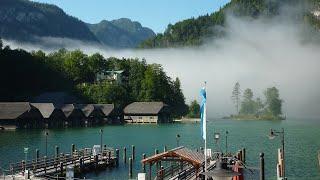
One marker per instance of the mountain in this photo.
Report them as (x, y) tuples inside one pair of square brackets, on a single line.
[(193, 31), (121, 33), (24, 20)]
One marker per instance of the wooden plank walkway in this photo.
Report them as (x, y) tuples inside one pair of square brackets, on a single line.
[(82, 160)]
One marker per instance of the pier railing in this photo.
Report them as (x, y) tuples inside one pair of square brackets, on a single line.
[(42, 166)]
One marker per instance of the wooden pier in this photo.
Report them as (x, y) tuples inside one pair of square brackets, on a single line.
[(82, 161)]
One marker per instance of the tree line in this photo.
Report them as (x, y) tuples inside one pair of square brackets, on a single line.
[(248, 107), (25, 75)]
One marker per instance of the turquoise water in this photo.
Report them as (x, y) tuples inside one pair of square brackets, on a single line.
[(302, 143)]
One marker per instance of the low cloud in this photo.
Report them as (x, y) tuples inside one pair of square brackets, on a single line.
[(257, 53)]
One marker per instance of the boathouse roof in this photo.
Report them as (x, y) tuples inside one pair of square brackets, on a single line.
[(105, 108), (12, 110), (68, 109), (145, 108), (46, 109)]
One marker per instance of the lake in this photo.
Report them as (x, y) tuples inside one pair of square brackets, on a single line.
[(302, 141)]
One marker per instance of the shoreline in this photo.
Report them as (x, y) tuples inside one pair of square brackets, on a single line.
[(187, 120)]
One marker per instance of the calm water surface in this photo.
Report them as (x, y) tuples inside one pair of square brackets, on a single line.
[(302, 143)]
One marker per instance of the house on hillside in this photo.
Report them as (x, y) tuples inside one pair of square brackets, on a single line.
[(112, 76), (74, 114), (53, 116), (19, 115), (147, 112)]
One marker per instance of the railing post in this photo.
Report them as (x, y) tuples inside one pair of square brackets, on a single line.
[(261, 166)]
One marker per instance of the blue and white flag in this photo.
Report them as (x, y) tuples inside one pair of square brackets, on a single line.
[(203, 113)]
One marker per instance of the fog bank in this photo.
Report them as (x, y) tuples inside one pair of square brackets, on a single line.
[(256, 53)]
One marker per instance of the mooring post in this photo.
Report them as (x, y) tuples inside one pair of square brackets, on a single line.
[(109, 157), (244, 155), (61, 168), (161, 172), (96, 161), (45, 164), (125, 155), (130, 167), (165, 149), (261, 166), (143, 165), (240, 154), (133, 152), (73, 148), (117, 156), (56, 151), (37, 155), (157, 163)]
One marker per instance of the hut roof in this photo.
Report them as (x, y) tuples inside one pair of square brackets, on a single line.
[(87, 109), (67, 109), (46, 109), (105, 108), (12, 110), (144, 108)]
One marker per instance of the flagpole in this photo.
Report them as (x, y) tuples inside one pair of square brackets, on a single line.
[(205, 140)]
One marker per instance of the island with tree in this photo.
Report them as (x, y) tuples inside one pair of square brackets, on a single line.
[(250, 108)]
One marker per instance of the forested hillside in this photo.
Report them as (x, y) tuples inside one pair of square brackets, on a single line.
[(121, 33), (23, 20), (194, 31), (24, 75)]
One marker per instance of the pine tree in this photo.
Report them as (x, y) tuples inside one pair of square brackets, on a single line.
[(236, 96)]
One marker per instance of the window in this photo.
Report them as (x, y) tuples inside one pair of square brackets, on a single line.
[(140, 117)]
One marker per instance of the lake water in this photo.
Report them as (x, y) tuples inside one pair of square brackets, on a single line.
[(302, 143)]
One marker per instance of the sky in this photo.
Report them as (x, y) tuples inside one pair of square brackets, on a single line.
[(155, 14)]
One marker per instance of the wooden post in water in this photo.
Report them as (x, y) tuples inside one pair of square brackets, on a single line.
[(73, 148), (117, 156), (244, 155), (261, 166), (61, 168), (125, 155), (157, 164), (130, 167), (165, 149), (133, 152), (143, 165), (56, 151), (162, 172), (37, 155)]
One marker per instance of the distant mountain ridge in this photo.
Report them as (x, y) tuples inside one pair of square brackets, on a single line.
[(23, 19), (121, 33), (27, 21)]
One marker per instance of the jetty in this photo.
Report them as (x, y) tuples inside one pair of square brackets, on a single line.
[(79, 161)]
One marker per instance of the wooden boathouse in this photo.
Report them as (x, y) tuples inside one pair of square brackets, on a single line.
[(19, 115), (53, 116), (147, 112), (74, 114)]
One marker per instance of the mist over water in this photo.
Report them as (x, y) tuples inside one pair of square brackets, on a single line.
[(257, 53)]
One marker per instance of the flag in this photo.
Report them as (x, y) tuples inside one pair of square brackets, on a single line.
[(203, 113)]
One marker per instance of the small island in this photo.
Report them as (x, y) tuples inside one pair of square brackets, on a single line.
[(248, 108)]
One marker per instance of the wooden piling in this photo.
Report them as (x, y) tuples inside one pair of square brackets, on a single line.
[(37, 155), (143, 165), (133, 151), (61, 168), (125, 155), (244, 155), (261, 166), (56, 151), (165, 149), (117, 156), (73, 148), (130, 167)]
